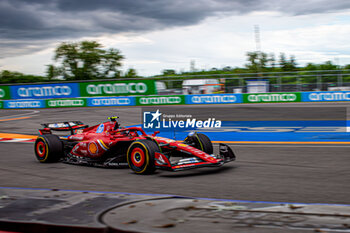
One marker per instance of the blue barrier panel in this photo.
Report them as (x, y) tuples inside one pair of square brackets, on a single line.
[(268, 131), (317, 96), (214, 99), (44, 91), (111, 101), (24, 104)]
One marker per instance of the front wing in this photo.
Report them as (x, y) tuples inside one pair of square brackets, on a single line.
[(226, 155)]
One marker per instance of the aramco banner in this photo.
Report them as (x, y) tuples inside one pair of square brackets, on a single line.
[(12, 104), (117, 88), (160, 100), (60, 103), (272, 97), (214, 99), (74, 90), (45, 91), (320, 96), (5, 92)]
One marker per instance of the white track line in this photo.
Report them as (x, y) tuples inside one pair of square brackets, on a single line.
[(25, 140), (33, 112)]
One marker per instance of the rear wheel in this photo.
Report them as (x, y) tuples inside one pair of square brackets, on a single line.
[(201, 142), (48, 148), (140, 156)]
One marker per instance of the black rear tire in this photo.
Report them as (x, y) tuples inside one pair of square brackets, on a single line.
[(201, 142), (140, 156), (48, 148)]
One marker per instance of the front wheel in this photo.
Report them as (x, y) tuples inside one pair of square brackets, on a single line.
[(48, 148), (140, 156), (201, 142)]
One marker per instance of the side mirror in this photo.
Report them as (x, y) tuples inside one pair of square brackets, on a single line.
[(155, 133)]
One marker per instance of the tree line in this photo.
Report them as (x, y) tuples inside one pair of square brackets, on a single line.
[(259, 62), (88, 60), (85, 60)]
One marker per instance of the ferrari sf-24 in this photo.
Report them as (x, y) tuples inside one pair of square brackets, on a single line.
[(109, 145)]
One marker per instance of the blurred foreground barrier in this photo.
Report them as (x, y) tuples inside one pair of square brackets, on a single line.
[(83, 211)]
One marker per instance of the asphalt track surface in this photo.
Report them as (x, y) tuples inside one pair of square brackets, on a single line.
[(275, 173)]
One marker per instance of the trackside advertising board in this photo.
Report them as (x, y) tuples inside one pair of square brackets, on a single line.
[(5, 92), (64, 103), (61, 89), (214, 99), (272, 97), (1, 104), (160, 100), (319, 96), (13, 104), (45, 91), (117, 88), (111, 101)]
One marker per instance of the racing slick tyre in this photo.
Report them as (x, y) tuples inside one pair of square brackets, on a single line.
[(201, 142), (48, 148), (140, 156)]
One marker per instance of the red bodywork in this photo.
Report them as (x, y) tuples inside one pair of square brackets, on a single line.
[(94, 142)]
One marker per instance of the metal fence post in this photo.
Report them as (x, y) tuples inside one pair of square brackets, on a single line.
[(299, 83), (319, 84), (340, 79), (241, 84), (279, 78)]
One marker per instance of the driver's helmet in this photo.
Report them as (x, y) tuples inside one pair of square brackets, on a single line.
[(114, 119)]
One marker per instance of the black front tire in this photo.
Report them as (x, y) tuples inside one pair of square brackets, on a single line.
[(48, 148), (140, 156), (201, 142)]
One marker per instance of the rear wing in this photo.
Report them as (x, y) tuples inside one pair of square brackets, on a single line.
[(62, 126)]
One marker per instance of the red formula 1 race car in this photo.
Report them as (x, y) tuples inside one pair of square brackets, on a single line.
[(109, 145)]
